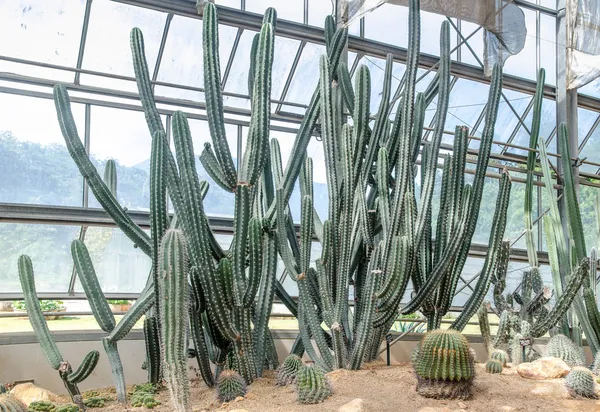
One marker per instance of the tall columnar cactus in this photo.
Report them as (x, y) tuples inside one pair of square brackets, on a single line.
[(581, 383), (152, 339), (444, 366), (51, 352), (173, 295)]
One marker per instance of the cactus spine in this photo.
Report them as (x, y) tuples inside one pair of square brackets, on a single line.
[(230, 385), (173, 308), (499, 355), (286, 373)]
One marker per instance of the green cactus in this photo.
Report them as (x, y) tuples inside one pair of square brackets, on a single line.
[(173, 297), (444, 367), (45, 406), (143, 395), (110, 176), (559, 346), (414, 354), (95, 402), (152, 339), (230, 385), (581, 383), (87, 366), (312, 385), (596, 364), (493, 366), (484, 326), (286, 373), (67, 408), (11, 404), (499, 355)]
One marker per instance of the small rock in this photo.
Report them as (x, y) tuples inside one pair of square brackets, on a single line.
[(355, 405), (238, 399), (544, 368), (462, 405), (28, 392)]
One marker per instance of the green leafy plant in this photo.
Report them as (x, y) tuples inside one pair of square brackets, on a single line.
[(45, 305)]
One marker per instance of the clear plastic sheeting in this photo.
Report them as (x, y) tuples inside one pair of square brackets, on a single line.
[(584, 38), (503, 22)]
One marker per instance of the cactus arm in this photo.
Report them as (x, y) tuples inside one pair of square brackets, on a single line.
[(86, 368), (152, 338), (137, 310), (345, 82), (252, 70), (116, 368), (284, 249), (142, 76), (497, 232), (418, 126), (255, 245), (564, 302), (254, 156), (213, 93), (286, 299), (240, 229), (34, 313), (89, 281), (383, 191), (173, 308), (77, 151), (110, 177), (202, 357), (264, 299), (531, 158), (212, 167)]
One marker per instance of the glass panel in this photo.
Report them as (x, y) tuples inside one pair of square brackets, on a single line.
[(110, 51), (547, 125), (471, 269), (515, 223), (236, 4), (379, 22), (182, 61), (238, 76), (36, 167), (523, 64), (53, 27), (589, 218), (585, 120), (507, 120), (548, 47), (48, 246), (120, 267), (129, 145), (591, 151), (286, 10), (467, 100), (475, 41), (376, 68), (431, 25), (306, 76), (318, 10), (591, 89)]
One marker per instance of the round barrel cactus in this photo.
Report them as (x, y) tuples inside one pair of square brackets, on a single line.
[(559, 346), (312, 385), (500, 355), (230, 385), (493, 366), (581, 383), (444, 367), (286, 373)]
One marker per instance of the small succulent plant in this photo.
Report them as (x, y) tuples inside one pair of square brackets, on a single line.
[(312, 385), (581, 383), (230, 385), (500, 355), (286, 373), (493, 366), (559, 346)]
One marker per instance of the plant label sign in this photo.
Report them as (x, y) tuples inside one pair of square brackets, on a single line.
[(526, 341), (389, 338)]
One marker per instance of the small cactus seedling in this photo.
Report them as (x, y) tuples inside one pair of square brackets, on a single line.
[(286, 373), (43, 406), (559, 346), (230, 385), (444, 367), (70, 407), (500, 355), (580, 382), (94, 402), (312, 385), (493, 366)]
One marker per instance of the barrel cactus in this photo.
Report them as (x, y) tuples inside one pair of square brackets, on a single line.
[(312, 385), (230, 385), (10, 403), (414, 354), (444, 366), (499, 355), (493, 366), (596, 364), (70, 407), (286, 373), (580, 382), (559, 346)]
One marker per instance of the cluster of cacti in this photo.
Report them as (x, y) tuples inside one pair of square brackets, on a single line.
[(230, 385), (444, 366), (45, 406), (67, 408), (559, 346), (493, 366), (51, 352), (581, 382), (144, 395), (94, 401), (286, 373), (312, 385), (11, 404)]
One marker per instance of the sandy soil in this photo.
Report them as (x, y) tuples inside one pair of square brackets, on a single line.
[(385, 388)]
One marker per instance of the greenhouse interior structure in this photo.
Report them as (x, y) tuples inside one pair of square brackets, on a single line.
[(333, 205)]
